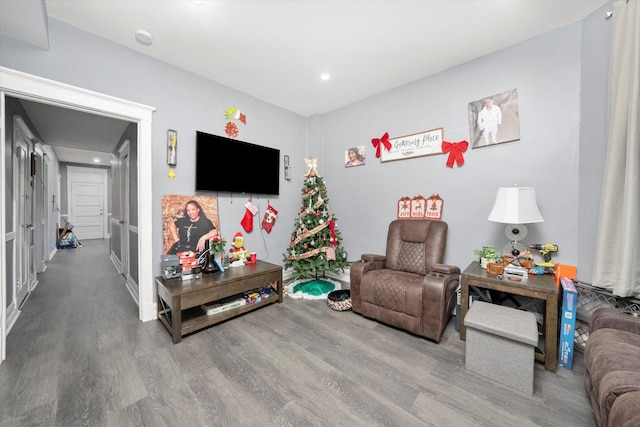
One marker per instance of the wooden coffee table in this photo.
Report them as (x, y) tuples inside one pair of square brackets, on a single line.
[(179, 301)]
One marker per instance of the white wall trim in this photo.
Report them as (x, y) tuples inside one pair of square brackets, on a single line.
[(26, 86), (12, 316), (115, 261), (3, 236), (132, 287)]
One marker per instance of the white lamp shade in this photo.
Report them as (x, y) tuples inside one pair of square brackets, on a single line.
[(515, 205)]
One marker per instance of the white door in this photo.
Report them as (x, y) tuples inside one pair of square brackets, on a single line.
[(87, 189), (25, 250)]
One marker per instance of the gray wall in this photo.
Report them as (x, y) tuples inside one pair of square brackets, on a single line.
[(561, 82), (554, 75), (593, 133), (185, 102)]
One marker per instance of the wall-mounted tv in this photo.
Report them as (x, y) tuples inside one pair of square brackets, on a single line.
[(228, 165)]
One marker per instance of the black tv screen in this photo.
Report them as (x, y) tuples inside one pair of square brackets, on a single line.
[(228, 165)]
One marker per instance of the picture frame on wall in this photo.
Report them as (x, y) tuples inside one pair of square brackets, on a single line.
[(172, 147), (419, 144), (494, 119), (354, 156), (186, 218)]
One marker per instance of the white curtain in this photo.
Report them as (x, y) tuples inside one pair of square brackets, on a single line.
[(617, 252)]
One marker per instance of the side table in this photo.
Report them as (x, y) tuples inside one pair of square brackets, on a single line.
[(542, 287)]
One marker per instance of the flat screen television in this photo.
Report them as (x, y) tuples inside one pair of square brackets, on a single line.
[(228, 165)]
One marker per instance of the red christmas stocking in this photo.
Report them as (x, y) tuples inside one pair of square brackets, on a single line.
[(269, 219), (249, 213)]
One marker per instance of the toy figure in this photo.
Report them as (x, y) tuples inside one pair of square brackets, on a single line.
[(239, 252)]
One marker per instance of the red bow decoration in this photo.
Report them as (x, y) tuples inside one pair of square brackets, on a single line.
[(455, 150), (382, 141)]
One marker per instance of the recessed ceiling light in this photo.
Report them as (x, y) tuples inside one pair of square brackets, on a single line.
[(96, 160), (144, 37), (325, 76)]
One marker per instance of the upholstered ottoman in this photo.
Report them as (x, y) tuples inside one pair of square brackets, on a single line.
[(501, 344)]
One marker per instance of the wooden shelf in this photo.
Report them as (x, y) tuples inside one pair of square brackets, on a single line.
[(195, 318)]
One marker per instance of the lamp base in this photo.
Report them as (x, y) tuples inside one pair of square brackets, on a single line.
[(516, 231)]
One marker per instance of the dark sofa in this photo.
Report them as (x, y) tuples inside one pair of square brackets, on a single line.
[(612, 367)]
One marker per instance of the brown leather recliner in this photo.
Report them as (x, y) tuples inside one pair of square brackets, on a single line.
[(409, 287)]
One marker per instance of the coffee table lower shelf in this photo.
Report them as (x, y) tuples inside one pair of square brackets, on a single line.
[(195, 319)]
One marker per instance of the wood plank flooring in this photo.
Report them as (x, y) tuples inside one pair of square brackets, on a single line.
[(78, 355)]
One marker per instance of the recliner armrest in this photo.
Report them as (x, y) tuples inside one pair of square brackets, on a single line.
[(438, 299), (372, 257), (614, 318), (368, 262), (445, 269)]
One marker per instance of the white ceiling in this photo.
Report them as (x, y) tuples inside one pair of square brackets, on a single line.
[(276, 50)]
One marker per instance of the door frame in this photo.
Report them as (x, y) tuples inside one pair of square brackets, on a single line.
[(27, 86), (123, 159)]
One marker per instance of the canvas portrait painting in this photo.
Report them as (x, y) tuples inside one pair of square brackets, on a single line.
[(494, 119), (188, 222)]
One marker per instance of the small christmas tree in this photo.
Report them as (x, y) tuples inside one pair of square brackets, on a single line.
[(315, 245)]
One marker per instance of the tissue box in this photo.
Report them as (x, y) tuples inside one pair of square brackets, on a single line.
[(567, 322)]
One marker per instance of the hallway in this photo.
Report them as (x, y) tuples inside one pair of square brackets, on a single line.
[(68, 344)]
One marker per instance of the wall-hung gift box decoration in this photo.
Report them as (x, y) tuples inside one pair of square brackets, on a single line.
[(417, 207), (433, 208), (404, 208), (420, 208), (415, 145), (172, 147)]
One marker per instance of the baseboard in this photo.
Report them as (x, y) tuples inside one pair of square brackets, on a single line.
[(343, 277), (115, 261), (12, 313), (132, 287), (149, 312)]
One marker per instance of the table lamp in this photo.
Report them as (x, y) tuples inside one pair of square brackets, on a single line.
[(515, 206)]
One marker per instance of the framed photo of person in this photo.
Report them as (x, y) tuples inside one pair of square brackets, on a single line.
[(354, 156), (494, 119), (188, 222)]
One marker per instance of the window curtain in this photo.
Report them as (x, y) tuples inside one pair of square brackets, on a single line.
[(617, 252)]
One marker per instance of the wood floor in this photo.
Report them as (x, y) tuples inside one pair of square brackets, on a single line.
[(78, 355)]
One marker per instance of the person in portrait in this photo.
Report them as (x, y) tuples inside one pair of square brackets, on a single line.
[(355, 158), (489, 118), (192, 231)]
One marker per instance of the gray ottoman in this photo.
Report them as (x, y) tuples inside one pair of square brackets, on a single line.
[(501, 344)]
